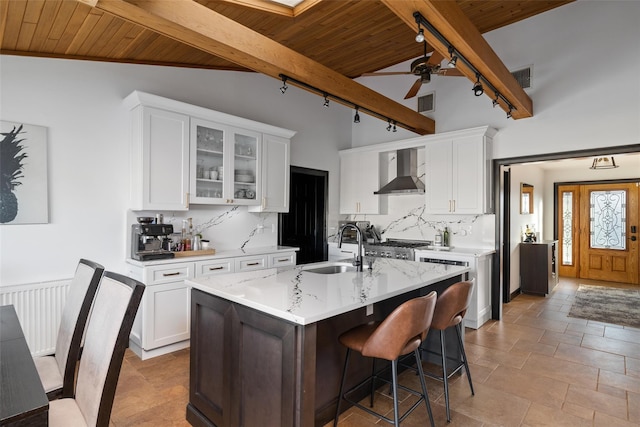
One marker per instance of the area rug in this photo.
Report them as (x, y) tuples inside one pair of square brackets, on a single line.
[(608, 305)]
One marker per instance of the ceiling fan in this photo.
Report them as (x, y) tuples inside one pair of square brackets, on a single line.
[(423, 67)]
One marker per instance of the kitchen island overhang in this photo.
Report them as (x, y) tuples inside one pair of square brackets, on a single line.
[(264, 344)]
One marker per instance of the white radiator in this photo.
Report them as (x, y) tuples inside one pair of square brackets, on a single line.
[(39, 308)]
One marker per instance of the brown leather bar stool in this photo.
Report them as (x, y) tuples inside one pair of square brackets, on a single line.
[(451, 307), (399, 334)]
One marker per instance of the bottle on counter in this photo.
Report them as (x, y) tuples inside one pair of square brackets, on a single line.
[(437, 241), (445, 237)]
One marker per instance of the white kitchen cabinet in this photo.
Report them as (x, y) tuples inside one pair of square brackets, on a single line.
[(249, 263), (162, 322), (282, 259), (224, 166), (183, 154), (159, 159), (274, 181), (215, 267), (458, 174), (359, 178)]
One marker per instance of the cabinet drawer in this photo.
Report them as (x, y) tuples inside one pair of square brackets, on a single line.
[(283, 259), (251, 263), (169, 273), (212, 268)]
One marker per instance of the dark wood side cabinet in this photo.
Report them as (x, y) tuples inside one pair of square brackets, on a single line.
[(538, 268)]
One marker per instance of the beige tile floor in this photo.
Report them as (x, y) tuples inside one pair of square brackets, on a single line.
[(536, 367)]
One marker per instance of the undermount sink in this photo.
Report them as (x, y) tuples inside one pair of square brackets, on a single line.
[(331, 269)]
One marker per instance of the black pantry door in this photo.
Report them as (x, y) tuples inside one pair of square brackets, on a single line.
[(305, 224)]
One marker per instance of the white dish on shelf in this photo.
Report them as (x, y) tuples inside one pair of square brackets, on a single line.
[(245, 178)]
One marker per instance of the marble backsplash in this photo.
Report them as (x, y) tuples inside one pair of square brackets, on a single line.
[(226, 227), (406, 219)]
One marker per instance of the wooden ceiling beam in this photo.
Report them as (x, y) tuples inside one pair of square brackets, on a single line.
[(193, 24), (457, 29)]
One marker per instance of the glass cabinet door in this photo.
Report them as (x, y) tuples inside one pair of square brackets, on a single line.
[(207, 162), (246, 146), (224, 164)]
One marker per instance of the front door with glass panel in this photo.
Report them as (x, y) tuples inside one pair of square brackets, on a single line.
[(598, 231)]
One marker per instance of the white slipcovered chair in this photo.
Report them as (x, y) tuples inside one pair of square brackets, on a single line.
[(106, 339), (57, 371)]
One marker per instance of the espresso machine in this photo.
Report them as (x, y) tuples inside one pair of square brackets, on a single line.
[(150, 241)]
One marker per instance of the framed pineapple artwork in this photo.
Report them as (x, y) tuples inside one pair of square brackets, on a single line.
[(23, 174)]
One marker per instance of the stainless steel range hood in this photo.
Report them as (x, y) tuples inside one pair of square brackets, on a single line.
[(407, 181)]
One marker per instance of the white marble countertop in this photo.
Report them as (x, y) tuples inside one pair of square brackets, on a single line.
[(234, 253), (303, 297)]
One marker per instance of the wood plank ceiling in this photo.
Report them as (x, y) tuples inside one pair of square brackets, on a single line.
[(346, 38)]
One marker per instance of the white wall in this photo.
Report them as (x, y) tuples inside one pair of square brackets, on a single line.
[(585, 86), (80, 102)]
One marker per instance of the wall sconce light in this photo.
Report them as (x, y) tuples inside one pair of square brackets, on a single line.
[(356, 118), (604, 163)]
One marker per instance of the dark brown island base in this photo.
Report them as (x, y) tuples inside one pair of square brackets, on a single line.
[(264, 344)]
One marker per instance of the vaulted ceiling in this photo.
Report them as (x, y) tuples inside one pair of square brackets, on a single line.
[(322, 43)]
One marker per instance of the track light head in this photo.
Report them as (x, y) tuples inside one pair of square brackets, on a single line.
[(326, 101), (389, 126), (356, 118), (509, 112), (495, 101), (454, 58), (284, 87), (420, 35), (394, 126), (478, 90)]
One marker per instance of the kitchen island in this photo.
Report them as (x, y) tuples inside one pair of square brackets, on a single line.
[(264, 344)]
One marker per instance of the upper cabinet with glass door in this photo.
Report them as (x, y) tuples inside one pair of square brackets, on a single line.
[(224, 166)]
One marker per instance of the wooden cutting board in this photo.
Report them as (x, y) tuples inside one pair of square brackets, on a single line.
[(195, 253)]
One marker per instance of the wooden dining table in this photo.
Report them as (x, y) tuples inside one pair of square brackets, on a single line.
[(23, 401)]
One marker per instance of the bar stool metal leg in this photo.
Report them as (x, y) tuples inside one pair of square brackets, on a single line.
[(445, 377), (394, 381), (344, 376), (424, 385), (464, 357)]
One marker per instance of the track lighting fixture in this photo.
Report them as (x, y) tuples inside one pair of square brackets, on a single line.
[(509, 112), (478, 90), (454, 58), (327, 95)]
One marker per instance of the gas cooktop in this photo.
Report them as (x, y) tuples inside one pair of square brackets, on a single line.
[(395, 248)]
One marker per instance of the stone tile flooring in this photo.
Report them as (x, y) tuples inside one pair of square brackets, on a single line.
[(536, 367)]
